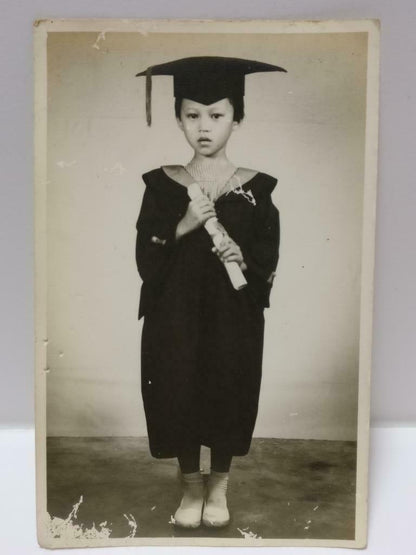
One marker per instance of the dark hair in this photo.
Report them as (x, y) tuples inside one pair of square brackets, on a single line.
[(237, 102)]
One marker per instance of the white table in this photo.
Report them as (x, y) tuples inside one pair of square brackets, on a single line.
[(392, 516)]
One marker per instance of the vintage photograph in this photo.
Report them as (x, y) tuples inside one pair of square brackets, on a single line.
[(204, 250)]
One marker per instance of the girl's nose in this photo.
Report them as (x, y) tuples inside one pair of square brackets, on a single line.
[(204, 124)]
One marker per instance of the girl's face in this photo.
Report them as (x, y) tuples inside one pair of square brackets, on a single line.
[(207, 128)]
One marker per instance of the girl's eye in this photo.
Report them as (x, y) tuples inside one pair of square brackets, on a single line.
[(216, 116), (192, 116)]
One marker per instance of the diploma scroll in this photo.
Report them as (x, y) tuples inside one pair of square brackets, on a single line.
[(217, 234)]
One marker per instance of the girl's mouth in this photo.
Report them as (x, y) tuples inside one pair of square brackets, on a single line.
[(204, 140)]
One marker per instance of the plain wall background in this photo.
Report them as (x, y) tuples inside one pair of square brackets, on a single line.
[(393, 376), (306, 127)]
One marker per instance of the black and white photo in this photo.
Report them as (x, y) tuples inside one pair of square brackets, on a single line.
[(205, 219)]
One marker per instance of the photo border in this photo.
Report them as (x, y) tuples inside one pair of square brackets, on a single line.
[(41, 30)]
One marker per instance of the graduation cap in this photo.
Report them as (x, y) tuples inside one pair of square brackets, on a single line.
[(204, 79)]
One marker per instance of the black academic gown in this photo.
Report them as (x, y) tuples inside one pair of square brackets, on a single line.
[(202, 341)]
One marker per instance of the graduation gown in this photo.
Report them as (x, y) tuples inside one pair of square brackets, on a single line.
[(202, 341)]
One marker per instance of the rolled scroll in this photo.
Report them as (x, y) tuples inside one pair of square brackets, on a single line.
[(217, 234)]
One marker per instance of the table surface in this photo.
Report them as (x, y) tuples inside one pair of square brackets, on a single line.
[(391, 514)]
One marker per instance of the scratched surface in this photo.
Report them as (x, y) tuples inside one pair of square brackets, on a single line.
[(282, 489)]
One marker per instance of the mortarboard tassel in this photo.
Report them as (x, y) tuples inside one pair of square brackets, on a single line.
[(149, 96)]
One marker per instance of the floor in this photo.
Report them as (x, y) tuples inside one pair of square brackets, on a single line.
[(282, 489)]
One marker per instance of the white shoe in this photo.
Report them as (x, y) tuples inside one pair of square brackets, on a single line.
[(188, 514), (216, 512)]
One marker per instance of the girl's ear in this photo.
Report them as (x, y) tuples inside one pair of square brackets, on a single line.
[(236, 125), (179, 122)]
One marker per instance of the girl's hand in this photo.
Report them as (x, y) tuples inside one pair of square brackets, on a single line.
[(199, 211), (229, 251)]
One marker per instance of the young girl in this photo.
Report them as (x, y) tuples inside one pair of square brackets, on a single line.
[(202, 339)]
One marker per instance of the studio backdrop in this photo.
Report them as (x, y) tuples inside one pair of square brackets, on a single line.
[(306, 127)]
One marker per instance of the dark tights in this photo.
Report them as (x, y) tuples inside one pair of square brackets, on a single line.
[(189, 460)]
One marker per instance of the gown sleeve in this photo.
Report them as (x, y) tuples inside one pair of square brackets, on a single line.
[(261, 254), (155, 238), (155, 241)]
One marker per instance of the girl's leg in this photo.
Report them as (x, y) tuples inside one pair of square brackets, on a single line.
[(216, 512), (188, 459), (188, 514), (220, 460)]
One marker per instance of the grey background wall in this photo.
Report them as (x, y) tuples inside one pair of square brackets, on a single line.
[(394, 353), (306, 127)]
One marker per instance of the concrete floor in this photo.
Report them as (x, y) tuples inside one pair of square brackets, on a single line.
[(281, 489)]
